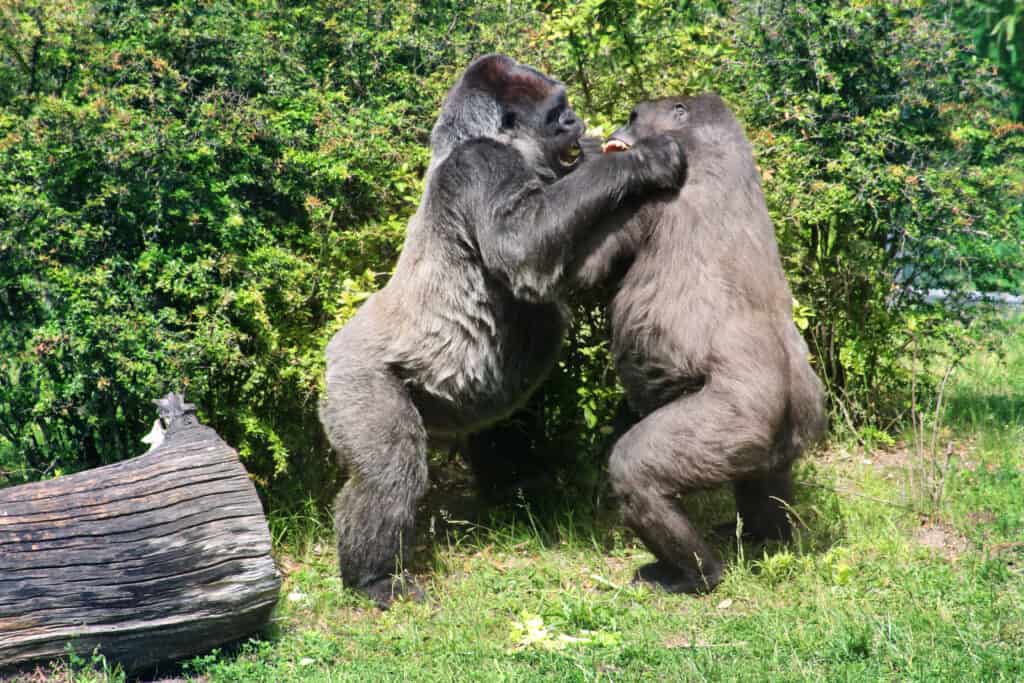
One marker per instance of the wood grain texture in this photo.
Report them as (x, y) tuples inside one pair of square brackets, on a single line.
[(156, 558)]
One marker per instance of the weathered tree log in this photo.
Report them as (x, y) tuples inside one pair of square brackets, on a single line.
[(156, 558)]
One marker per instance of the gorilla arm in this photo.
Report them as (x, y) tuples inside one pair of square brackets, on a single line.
[(609, 248), (528, 232)]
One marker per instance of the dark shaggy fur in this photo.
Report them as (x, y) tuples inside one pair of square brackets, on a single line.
[(473, 317), (705, 344)]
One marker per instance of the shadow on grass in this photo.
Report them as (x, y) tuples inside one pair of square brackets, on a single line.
[(989, 388), (972, 408), (455, 514)]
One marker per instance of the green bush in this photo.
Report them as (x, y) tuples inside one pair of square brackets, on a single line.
[(196, 194)]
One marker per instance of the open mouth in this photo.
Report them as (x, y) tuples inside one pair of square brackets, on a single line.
[(614, 145), (570, 156)]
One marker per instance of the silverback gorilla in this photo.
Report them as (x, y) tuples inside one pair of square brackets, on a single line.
[(473, 316), (705, 345)]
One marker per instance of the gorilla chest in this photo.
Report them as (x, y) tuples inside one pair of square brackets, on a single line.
[(662, 319), (479, 364)]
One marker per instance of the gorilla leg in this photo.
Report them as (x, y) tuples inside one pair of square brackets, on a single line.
[(380, 440), (761, 503), (722, 433), (648, 469)]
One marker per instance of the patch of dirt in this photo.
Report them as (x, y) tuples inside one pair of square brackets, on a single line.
[(685, 642), (679, 640), (1012, 553), (620, 566), (288, 565), (942, 539), (902, 456), (898, 457), (982, 516)]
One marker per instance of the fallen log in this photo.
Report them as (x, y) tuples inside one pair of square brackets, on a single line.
[(157, 558)]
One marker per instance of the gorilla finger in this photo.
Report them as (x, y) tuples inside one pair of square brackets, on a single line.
[(666, 158)]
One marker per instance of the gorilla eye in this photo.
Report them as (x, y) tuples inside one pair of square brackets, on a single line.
[(554, 114), (681, 110), (508, 120)]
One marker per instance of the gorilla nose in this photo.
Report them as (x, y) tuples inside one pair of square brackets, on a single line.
[(567, 119)]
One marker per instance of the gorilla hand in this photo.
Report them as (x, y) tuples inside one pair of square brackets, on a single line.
[(662, 158)]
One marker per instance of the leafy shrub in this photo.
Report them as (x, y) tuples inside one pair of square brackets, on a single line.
[(198, 194)]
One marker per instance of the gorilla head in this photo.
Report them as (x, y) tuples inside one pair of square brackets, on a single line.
[(501, 99), (711, 134)]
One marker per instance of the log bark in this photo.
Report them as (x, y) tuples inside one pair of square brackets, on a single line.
[(156, 558)]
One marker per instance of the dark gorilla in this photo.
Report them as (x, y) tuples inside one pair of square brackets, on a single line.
[(473, 317), (705, 345)]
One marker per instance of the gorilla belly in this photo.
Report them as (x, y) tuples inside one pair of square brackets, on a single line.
[(480, 368), (660, 355)]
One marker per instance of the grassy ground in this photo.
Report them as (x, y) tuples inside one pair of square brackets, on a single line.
[(873, 589)]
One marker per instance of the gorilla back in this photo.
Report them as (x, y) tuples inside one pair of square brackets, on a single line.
[(705, 345), (472, 318)]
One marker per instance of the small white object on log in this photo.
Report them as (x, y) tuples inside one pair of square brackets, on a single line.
[(155, 436)]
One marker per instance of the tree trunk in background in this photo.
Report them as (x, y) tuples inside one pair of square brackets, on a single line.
[(156, 558)]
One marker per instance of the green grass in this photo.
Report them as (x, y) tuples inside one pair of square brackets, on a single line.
[(872, 589)]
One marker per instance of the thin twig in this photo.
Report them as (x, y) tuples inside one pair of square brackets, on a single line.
[(858, 494)]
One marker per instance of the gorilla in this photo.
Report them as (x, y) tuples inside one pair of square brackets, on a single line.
[(704, 342), (473, 317)]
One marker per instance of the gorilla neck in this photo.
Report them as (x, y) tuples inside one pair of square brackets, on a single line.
[(535, 158), (715, 154)]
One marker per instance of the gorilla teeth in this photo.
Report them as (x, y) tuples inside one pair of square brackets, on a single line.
[(614, 145), (570, 156)]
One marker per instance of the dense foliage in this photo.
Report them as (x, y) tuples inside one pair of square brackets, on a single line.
[(195, 194)]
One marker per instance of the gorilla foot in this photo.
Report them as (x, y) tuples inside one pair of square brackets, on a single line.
[(386, 589), (672, 579), (782, 532)]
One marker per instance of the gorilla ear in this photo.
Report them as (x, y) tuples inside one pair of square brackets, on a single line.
[(681, 111)]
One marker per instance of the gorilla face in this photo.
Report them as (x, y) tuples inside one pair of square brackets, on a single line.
[(551, 125), (667, 115), (502, 99)]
